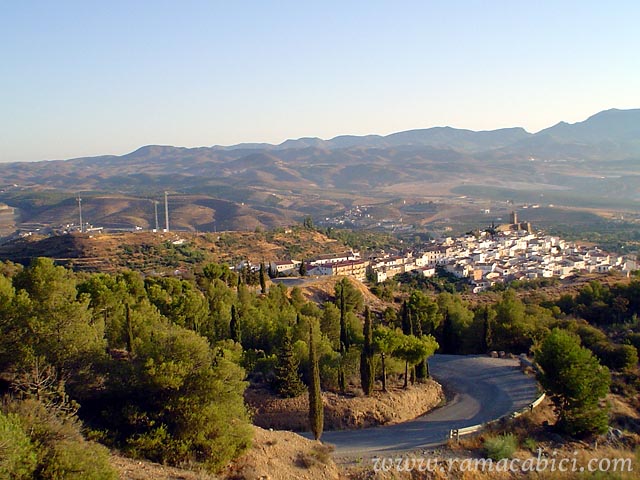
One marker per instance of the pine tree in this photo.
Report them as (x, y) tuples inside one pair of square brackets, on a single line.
[(263, 280), (308, 223), (366, 356), (385, 342), (412, 350), (234, 326), (316, 408), (575, 382), (287, 381)]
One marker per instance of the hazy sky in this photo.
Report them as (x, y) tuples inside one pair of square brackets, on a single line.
[(87, 77)]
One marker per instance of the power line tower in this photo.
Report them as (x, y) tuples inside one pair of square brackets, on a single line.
[(166, 211), (80, 213), (155, 204)]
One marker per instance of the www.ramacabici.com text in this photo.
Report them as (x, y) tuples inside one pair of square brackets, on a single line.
[(540, 463)]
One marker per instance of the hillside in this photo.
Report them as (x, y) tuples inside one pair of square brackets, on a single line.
[(147, 251), (592, 163)]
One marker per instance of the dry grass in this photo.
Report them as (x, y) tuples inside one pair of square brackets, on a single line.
[(318, 454), (129, 469)]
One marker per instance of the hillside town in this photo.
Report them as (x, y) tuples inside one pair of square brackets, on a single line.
[(505, 253)]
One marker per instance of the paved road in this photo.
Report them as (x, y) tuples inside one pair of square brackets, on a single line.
[(484, 389)]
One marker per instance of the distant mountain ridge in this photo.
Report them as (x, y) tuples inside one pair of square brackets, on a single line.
[(267, 185), (440, 137), (613, 124)]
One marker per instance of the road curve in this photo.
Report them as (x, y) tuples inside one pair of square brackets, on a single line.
[(484, 389)]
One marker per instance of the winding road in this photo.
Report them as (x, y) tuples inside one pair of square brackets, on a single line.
[(484, 389)]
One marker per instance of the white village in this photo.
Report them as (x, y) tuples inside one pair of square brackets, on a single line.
[(509, 252)]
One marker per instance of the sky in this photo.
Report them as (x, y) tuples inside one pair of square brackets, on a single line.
[(84, 78)]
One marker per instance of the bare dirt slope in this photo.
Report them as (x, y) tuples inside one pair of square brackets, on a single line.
[(274, 455), (321, 289), (344, 412), (130, 469), (283, 456)]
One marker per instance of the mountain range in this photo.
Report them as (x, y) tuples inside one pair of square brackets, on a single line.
[(252, 185), (620, 126)]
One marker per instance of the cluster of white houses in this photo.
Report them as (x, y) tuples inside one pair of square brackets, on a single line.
[(344, 263), (484, 259), (487, 259)]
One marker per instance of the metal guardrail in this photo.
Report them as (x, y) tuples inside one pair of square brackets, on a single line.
[(459, 432)]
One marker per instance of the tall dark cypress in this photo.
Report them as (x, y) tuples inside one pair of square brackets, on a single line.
[(344, 342), (487, 339), (129, 328), (407, 323), (448, 335), (316, 408), (263, 279), (234, 326), (344, 333), (366, 356), (407, 329), (303, 268)]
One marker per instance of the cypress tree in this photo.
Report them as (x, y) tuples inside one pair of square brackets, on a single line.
[(263, 279), (344, 333), (448, 335), (487, 339), (408, 329), (344, 342), (234, 326), (316, 408), (303, 269), (366, 356), (287, 381), (129, 328), (407, 323), (420, 370)]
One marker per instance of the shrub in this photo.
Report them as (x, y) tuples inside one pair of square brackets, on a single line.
[(17, 453), (634, 339), (617, 357), (503, 446), (176, 403), (60, 451), (530, 444), (74, 460)]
